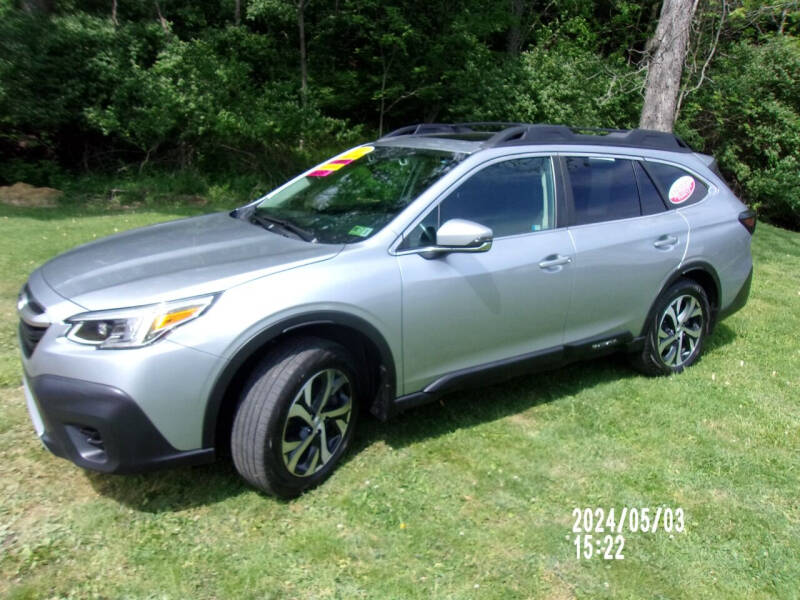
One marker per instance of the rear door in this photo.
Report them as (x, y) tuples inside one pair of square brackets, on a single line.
[(627, 243)]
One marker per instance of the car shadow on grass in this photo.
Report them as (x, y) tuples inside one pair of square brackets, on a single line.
[(468, 408), (182, 488), (722, 336), (172, 490)]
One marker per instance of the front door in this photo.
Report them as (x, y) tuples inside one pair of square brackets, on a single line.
[(462, 310)]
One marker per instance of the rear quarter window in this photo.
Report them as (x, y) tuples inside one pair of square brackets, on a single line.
[(679, 187)]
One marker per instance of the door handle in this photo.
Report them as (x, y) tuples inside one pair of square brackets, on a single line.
[(554, 260), (666, 242)]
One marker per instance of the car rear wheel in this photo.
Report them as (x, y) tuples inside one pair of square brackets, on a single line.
[(676, 331), (297, 417)]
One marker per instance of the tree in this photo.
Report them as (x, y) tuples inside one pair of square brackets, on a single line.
[(36, 6), (300, 7), (667, 52), (286, 10)]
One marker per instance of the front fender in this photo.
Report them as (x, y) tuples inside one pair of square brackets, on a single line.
[(258, 339)]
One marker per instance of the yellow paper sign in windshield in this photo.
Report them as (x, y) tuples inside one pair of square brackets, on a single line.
[(343, 159), (356, 153)]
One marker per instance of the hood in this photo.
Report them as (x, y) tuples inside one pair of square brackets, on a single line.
[(173, 260)]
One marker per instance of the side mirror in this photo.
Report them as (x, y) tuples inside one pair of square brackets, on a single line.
[(455, 235), (460, 234)]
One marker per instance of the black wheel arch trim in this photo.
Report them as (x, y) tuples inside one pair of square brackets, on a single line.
[(386, 386), (681, 272)]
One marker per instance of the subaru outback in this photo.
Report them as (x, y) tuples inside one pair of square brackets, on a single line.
[(437, 257)]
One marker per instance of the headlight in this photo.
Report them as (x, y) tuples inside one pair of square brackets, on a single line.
[(134, 327)]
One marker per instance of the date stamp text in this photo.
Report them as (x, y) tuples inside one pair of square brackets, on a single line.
[(600, 532)]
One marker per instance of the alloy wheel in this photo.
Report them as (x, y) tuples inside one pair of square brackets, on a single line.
[(679, 330), (317, 422)]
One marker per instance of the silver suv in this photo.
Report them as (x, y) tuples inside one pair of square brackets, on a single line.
[(437, 257)]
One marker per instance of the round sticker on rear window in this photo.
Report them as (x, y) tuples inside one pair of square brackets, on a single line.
[(681, 189)]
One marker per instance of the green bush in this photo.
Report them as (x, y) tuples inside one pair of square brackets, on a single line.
[(202, 98), (46, 76), (563, 82), (196, 92), (749, 117)]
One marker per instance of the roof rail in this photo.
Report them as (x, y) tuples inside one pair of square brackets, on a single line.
[(450, 128), (427, 129), (488, 125), (506, 135), (561, 134), (513, 134)]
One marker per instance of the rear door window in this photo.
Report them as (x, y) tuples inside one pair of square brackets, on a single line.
[(603, 189), (649, 196)]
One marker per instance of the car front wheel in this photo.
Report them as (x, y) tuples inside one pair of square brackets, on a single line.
[(296, 418)]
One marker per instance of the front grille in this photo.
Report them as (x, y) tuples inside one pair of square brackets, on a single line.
[(29, 337), (33, 305), (32, 323)]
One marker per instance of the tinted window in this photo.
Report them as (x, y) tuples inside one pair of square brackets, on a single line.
[(678, 186), (649, 196), (603, 189), (511, 197)]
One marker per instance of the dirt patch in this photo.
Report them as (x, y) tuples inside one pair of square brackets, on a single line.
[(23, 194)]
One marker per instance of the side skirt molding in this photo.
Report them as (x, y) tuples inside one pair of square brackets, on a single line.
[(502, 370)]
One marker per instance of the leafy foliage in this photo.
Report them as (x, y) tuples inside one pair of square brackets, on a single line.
[(750, 117), (567, 83), (184, 84)]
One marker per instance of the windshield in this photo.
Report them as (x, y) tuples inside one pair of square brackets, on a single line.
[(355, 194)]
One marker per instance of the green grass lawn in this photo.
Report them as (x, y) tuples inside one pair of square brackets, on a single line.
[(471, 497)]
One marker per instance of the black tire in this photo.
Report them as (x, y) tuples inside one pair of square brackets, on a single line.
[(675, 321), (273, 450)]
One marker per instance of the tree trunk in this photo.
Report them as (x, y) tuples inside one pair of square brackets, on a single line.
[(36, 6), (383, 94), (161, 19), (667, 52), (237, 13), (301, 28), (114, 13), (514, 39)]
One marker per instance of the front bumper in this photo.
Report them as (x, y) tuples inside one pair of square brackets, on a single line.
[(99, 427), (111, 410)]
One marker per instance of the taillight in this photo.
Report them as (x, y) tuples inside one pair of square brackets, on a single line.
[(748, 219)]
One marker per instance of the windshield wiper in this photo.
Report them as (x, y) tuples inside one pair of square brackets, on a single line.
[(270, 222)]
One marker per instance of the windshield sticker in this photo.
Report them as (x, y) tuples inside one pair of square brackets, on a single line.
[(343, 159), (681, 189), (360, 231)]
